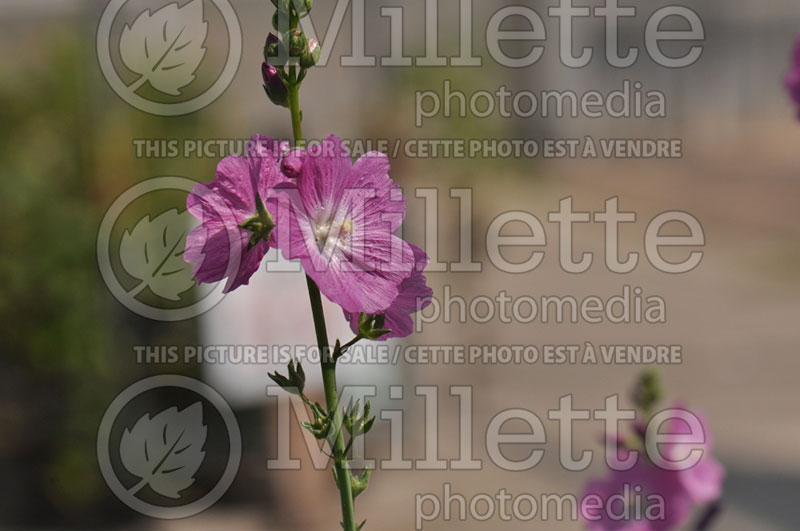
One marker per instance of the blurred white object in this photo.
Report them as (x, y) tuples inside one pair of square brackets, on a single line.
[(273, 310)]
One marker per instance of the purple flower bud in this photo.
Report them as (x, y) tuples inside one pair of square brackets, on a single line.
[(793, 79), (272, 48), (268, 72), (274, 86), (292, 163)]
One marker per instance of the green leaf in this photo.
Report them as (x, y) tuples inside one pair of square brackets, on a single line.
[(360, 484)]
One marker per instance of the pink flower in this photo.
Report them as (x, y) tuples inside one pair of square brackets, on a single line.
[(793, 78), (702, 482), (235, 227), (680, 491), (414, 296), (339, 219), (619, 491)]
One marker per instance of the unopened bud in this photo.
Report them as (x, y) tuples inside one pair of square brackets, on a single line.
[(274, 86), (303, 7), (647, 391), (282, 21), (292, 163), (298, 43), (312, 54), (272, 48), (282, 5)]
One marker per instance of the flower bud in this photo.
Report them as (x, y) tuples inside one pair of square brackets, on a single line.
[(647, 391), (274, 86), (311, 55), (272, 48), (793, 78), (282, 5), (298, 43), (292, 163), (303, 7), (281, 21)]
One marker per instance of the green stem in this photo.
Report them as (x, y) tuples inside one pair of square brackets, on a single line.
[(294, 108), (328, 363), (352, 342)]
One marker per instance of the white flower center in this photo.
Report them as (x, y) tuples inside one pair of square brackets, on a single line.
[(341, 231)]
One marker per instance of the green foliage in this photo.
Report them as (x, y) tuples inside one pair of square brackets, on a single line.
[(66, 154)]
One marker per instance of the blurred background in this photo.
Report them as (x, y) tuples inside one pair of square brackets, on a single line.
[(67, 347)]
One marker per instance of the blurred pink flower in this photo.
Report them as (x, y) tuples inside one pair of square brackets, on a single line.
[(679, 491), (793, 78), (702, 482), (618, 492)]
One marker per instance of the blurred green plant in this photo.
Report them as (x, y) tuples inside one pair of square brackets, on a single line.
[(66, 345)]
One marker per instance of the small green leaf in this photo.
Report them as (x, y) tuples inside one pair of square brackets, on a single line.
[(360, 484)]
